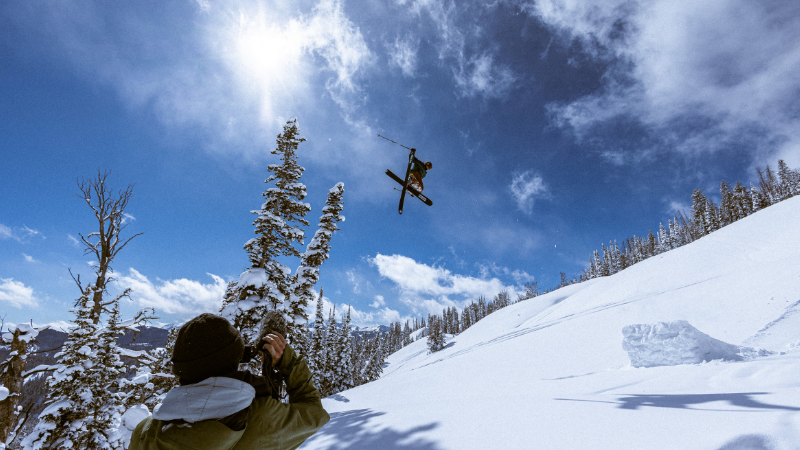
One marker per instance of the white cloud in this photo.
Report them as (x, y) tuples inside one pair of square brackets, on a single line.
[(482, 76), (16, 293), (29, 258), (718, 71), (74, 240), (181, 296), (357, 318), (526, 188), (426, 289), (379, 301)]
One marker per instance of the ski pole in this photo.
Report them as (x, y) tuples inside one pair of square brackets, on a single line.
[(401, 145)]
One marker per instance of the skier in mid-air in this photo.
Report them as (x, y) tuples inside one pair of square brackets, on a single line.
[(415, 172), (419, 171)]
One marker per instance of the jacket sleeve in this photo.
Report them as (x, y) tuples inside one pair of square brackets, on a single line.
[(272, 424)]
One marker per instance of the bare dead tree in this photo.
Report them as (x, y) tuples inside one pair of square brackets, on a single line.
[(106, 243)]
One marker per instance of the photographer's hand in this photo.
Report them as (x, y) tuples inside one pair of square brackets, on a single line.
[(275, 345)]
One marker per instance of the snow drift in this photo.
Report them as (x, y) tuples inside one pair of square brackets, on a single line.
[(674, 343)]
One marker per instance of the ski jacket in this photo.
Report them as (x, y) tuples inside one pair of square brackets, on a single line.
[(190, 416), (419, 166)]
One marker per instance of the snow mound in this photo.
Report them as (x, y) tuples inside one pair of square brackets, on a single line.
[(134, 415), (678, 342), (3, 393), (130, 419)]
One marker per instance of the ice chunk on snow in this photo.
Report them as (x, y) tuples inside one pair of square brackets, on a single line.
[(678, 342)]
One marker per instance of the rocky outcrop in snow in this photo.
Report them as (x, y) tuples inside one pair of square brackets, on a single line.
[(678, 342)]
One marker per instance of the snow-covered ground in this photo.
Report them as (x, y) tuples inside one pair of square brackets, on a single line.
[(551, 372)]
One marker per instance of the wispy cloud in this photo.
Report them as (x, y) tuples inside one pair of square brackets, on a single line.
[(16, 294), (460, 44), (526, 188), (354, 281), (231, 68), (19, 234), (482, 76), (29, 258), (520, 276), (403, 54), (180, 296), (74, 240), (700, 76)]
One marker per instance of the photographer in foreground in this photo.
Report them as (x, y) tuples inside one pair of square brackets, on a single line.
[(218, 407)]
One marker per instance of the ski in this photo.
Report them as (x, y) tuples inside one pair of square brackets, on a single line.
[(408, 172), (416, 193)]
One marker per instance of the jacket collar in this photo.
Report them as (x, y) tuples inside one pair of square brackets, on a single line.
[(212, 398)]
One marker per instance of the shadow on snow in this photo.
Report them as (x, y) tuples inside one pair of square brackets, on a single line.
[(685, 401), (352, 430)]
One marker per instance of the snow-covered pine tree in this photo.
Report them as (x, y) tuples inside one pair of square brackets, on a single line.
[(374, 366), (711, 217), (316, 253), (326, 368), (789, 182), (699, 202), (651, 244), (154, 378), (341, 370), (12, 379), (435, 334), (743, 206), (268, 284), (726, 208), (317, 354), (357, 360), (86, 391)]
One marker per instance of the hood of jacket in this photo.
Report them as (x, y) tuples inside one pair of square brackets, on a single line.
[(212, 398)]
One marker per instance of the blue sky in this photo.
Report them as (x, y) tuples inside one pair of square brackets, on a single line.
[(553, 126)]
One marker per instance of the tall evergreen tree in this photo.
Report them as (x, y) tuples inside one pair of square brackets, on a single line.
[(727, 212), (268, 284), (374, 366), (699, 203), (341, 370), (789, 181), (435, 335), (318, 351), (711, 217)]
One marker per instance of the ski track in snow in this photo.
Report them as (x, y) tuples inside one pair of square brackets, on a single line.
[(560, 320)]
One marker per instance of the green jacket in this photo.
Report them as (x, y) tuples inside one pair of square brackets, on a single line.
[(270, 424), (419, 166)]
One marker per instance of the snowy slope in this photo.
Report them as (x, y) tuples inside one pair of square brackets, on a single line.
[(551, 372)]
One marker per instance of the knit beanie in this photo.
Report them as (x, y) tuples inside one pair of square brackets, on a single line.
[(206, 346)]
